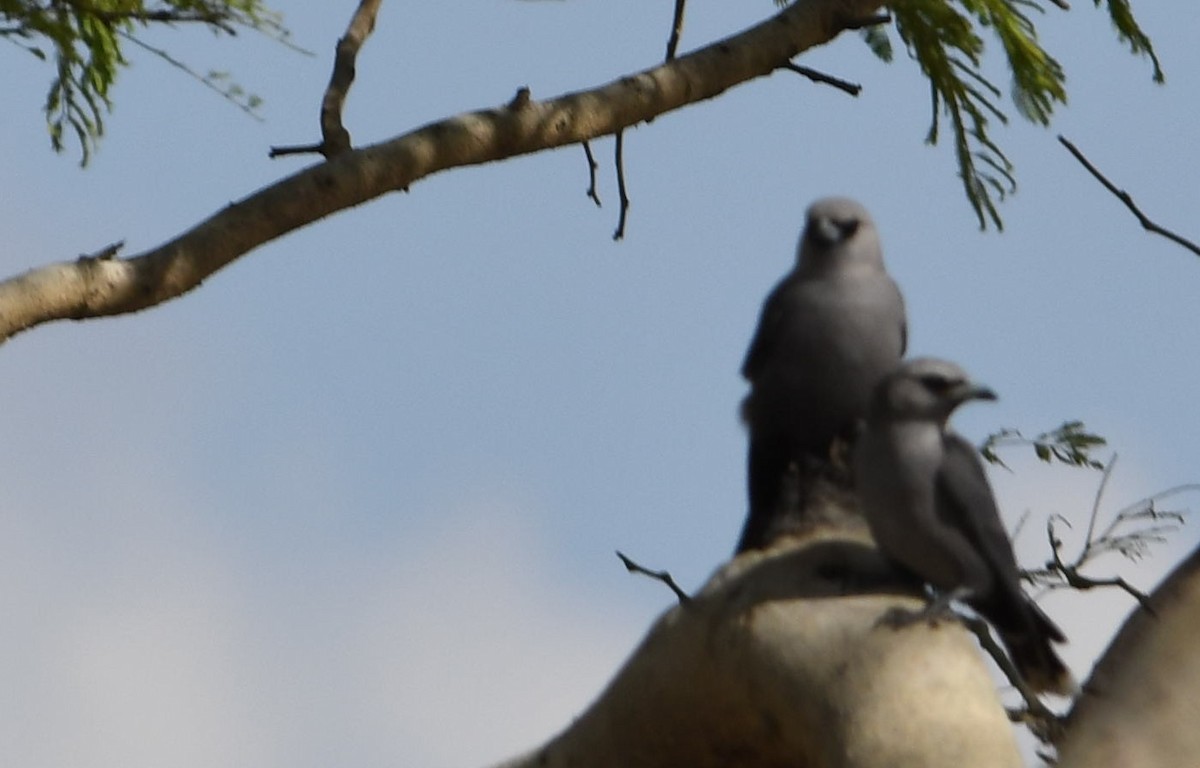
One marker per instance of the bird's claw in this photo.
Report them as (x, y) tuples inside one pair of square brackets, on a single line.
[(899, 618)]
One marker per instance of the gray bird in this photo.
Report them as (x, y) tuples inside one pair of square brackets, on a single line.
[(931, 510), (827, 333)]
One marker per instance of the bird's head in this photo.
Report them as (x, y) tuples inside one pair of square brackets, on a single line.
[(925, 388), (838, 234)]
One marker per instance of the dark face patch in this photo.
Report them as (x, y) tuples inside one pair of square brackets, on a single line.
[(829, 231)]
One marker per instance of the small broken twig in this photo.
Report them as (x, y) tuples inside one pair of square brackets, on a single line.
[(820, 77), (593, 166), (104, 254), (663, 576), (676, 29), (619, 160), (1127, 199), (335, 139)]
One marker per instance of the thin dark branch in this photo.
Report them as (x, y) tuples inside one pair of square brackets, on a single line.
[(593, 166), (820, 77), (1125, 198), (1044, 723), (1104, 478), (105, 253), (876, 20), (298, 149), (335, 139), (1122, 535), (676, 29), (619, 159), (206, 82), (1072, 578), (663, 576)]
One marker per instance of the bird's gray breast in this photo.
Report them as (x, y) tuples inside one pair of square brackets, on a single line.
[(836, 340)]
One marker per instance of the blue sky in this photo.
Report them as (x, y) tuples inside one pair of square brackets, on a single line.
[(356, 499)]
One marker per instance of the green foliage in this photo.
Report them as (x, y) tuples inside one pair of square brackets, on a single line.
[(945, 37), (84, 39), (1070, 443), (878, 41), (946, 43), (1129, 31)]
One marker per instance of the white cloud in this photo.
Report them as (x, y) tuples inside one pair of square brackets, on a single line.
[(148, 640)]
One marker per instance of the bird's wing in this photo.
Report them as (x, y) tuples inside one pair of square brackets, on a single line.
[(965, 501), (767, 334)]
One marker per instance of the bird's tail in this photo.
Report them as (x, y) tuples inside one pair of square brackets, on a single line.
[(1032, 651)]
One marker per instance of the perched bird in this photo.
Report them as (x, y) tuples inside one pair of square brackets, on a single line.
[(931, 510), (827, 333)]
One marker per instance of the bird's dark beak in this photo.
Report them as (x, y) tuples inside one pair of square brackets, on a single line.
[(971, 391), (827, 230)]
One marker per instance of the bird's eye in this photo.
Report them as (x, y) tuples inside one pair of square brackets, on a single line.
[(847, 227), (936, 383)]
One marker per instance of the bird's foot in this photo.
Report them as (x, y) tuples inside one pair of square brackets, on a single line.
[(931, 614)]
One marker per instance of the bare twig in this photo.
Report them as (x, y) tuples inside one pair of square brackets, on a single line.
[(676, 29), (820, 77), (1125, 198), (874, 20), (105, 253), (335, 139), (619, 160), (663, 576), (1037, 716), (1058, 573), (593, 166)]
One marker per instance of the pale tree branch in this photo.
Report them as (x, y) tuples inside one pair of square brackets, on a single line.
[(335, 139), (1127, 199), (69, 290), (1139, 706), (779, 660)]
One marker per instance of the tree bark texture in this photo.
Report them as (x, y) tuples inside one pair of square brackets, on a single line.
[(89, 288), (1141, 706), (780, 661)]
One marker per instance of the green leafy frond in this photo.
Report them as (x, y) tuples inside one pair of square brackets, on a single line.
[(84, 41), (878, 41), (945, 39), (1070, 443), (1129, 32)]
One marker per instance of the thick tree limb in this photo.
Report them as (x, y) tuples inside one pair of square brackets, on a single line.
[(79, 290), (335, 139), (1140, 707), (780, 661)]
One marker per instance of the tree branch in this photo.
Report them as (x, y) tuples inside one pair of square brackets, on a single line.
[(663, 576), (335, 139), (592, 168), (779, 661), (820, 77), (1125, 198), (676, 29), (1138, 707), (622, 192), (71, 291)]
